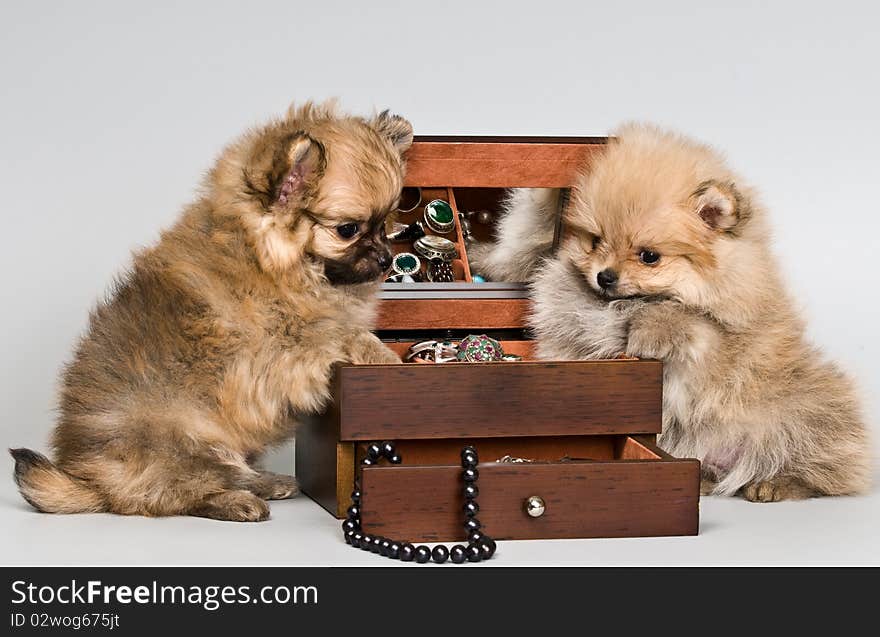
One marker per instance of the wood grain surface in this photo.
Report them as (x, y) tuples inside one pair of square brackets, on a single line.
[(452, 314), (622, 498), (475, 163), (324, 465), (499, 399)]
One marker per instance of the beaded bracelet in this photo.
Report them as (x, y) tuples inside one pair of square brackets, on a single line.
[(480, 546)]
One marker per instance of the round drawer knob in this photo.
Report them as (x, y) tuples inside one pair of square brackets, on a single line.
[(535, 506)]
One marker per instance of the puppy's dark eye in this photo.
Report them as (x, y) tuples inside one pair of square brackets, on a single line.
[(649, 257), (347, 230), (596, 241)]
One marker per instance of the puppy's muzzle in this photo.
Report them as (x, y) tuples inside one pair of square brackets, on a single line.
[(607, 279)]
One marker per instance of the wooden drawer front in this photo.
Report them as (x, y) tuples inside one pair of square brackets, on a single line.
[(623, 498), (458, 400), (452, 314)]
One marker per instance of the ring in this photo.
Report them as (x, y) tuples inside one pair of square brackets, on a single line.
[(403, 278), (479, 348), (465, 226), (432, 247), (405, 233), (480, 216), (433, 351), (406, 263), (439, 216), (418, 348), (440, 271), (416, 204)]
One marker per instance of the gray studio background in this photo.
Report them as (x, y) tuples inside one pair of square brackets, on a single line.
[(111, 112)]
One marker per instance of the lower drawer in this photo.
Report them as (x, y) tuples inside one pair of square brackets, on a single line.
[(641, 491)]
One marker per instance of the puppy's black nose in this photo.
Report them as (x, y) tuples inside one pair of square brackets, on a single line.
[(384, 260), (606, 278)]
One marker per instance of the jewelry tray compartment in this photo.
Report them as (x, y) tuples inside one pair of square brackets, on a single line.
[(475, 216), (584, 487), (461, 303), (460, 266), (471, 174)]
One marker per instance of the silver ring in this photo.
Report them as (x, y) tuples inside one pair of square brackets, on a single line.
[(480, 216), (433, 247), (465, 226), (403, 233), (418, 348), (418, 201), (400, 278), (433, 351)]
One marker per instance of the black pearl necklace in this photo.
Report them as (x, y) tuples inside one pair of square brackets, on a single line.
[(479, 547)]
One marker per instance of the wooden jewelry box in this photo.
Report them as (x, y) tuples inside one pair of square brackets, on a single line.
[(574, 439)]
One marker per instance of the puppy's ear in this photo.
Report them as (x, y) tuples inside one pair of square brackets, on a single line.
[(396, 128), (719, 205), (304, 162)]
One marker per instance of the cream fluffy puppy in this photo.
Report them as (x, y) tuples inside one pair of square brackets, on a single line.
[(667, 255)]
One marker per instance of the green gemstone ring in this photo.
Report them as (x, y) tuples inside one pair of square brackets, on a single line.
[(406, 263), (439, 216)]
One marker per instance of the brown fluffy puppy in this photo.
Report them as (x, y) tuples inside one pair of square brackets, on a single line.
[(668, 257), (214, 341)]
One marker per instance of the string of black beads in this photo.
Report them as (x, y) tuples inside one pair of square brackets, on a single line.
[(479, 547)]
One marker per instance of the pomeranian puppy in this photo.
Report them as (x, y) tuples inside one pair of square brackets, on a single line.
[(217, 338), (666, 255)]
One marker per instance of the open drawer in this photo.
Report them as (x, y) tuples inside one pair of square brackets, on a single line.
[(535, 402), (617, 486)]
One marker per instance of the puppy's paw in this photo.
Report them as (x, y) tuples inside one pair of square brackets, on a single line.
[(665, 330), (367, 349), (233, 506), (651, 335), (385, 356), (777, 489), (625, 307), (275, 486)]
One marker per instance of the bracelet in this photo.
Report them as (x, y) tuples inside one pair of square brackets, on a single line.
[(480, 546)]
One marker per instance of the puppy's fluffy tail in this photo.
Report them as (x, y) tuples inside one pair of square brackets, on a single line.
[(50, 489)]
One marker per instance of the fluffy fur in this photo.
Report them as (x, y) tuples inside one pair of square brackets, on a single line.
[(214, 342), (744, 392), (525, 234)]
